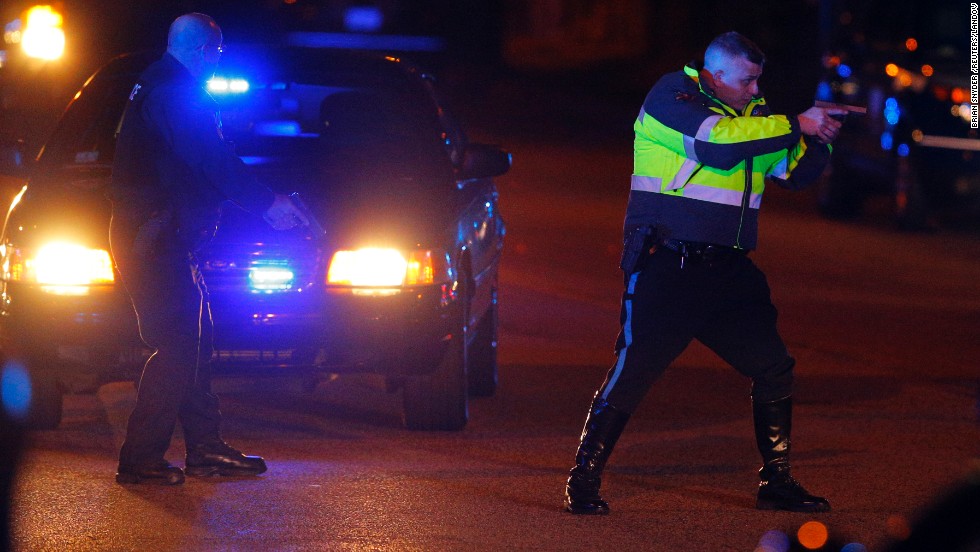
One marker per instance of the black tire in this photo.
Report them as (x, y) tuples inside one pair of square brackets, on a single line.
[(439, 401), (482, 354), (45, 410)]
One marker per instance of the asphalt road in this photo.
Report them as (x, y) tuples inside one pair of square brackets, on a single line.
[(883, 325)]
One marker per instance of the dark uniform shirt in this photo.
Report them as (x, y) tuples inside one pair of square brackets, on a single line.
[(171, 156)]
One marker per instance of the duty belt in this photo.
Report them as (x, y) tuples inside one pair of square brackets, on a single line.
[(704, 253)]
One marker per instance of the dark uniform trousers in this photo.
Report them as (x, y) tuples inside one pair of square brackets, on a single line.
[(171, 302), (725, 304)]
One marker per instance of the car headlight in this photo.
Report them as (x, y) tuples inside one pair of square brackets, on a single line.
[(381, 270), (43, 36), (60, 267)]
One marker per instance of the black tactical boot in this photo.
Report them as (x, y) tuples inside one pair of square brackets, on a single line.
[(154, 473), (603, 426), (218, 458), (778, 490)]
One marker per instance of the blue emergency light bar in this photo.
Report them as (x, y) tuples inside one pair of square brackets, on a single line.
[(271, 277), (223, 85)]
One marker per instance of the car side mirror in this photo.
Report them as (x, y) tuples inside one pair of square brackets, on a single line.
[(483, 161)]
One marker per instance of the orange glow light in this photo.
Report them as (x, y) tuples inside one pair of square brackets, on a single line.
[(927, 70), (897, 527), (812, 535), (911, 44), (958, 95), (891, 69), (941, 93)]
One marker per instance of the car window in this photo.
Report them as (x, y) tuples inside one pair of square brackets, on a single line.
[(297, 122), (295, 118), (85, 135)]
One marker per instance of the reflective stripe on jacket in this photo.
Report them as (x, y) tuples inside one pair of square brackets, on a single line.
[(700, 167)]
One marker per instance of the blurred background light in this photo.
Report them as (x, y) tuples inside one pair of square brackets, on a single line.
[(898, 527), (15, 390), (812, 535), (825, 92), (887, 141), (773, 541), (43, 37), (892, 111), (363, 19)]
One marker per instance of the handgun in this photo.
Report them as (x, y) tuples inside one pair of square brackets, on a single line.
[(851, 109), (634, 247), (313, 224)]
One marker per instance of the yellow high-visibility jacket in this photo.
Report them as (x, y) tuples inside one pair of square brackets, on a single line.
[(700, 167)]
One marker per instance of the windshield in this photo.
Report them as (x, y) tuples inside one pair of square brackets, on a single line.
[(298, 117)]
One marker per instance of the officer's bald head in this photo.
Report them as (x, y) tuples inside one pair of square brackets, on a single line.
[(728, 46), (195, 40), (732, 67)]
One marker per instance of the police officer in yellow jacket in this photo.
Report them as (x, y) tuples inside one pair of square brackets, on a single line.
[(705, 145)]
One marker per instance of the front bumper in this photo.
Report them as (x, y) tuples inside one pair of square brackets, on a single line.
[(401, 334)]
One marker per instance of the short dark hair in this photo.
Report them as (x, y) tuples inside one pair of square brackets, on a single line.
[(733, 44)]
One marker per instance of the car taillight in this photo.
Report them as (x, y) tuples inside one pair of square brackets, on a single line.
[(61, 268), (383, 269)]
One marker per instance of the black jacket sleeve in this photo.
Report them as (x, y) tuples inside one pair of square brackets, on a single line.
[(187, 120), (710, 137)]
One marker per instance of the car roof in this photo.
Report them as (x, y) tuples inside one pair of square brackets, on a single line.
[(270, 61)]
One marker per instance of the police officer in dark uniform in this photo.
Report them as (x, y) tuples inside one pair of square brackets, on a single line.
[(705, 145), (172, 172)]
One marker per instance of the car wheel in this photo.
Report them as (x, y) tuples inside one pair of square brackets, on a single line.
[(439, 401), (482, 354), (46, 402)]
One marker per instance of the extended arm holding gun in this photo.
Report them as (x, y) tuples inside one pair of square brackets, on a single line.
[(851, 109)]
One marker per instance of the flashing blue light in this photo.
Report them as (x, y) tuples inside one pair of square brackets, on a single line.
[(222, 85), (825, 92), (892, 111), (774, 541), (854, 547), (15, 390), (887, 141), (256, 160), (844, 70), (903, 150), (271, 276), (363, 19), (277, 128)]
